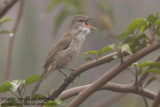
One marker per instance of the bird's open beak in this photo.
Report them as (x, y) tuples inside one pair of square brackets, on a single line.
[(89, 26)]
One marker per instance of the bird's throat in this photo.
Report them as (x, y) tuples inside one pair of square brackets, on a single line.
[(82, 30)]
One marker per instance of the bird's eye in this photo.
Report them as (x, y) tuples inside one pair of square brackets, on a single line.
[(80, 20)]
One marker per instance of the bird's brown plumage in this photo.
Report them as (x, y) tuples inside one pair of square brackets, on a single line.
[(66, 48), (66, 41)]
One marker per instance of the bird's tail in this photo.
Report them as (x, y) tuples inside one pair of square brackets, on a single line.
[(43, 76)]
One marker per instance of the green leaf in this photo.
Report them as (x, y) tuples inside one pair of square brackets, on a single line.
[(5, 86), (15, 84), (115, 56), (136, 24), (158, 31), (140, 37), (154, 70), (58, 101), (126, 48), (52, 4), (150, 81), (143, 28), (89, 52), (151, 18), (50, 104), (112, 46), (59, 19), (158, 22), (51, 91), (107, 48), (149, 64), (139, 41), (128, 40), (5, 32), (32, 79), (135, 64), (88, 58), (38, 97), (99, 53), (4, 19)]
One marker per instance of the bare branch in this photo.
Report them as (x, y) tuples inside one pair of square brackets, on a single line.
[(109, 86), (156, 101), (11, 39), (4, 8), (112, 73)]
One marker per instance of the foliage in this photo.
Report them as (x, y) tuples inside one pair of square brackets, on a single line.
[(136, 24), (135, 38), (56, 101), (18, 85), (31, 79), (99, 53), (2, 21), (5, 86), (15, 84)]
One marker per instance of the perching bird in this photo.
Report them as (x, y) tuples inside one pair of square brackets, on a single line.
[(68, 46)]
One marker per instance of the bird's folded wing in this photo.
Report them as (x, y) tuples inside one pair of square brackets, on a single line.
[(61, 45)]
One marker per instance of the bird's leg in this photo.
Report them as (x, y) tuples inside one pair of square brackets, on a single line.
[(70, 70), (66, 75)]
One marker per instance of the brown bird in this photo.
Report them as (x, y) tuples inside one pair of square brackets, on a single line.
[(66, 48)]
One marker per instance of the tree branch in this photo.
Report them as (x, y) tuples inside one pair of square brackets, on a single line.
[(79, 70), (109, 86), (4, 8), (11, 39), (112, 73), (156, 101)]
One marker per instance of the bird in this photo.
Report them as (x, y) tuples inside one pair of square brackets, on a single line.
[(66, 48)]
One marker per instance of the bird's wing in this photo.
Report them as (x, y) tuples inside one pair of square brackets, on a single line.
[(62, 44)]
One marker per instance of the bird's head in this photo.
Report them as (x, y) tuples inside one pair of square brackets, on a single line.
[(80, 23)]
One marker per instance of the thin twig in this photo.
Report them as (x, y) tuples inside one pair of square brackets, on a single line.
[(4, 8), (144, 98), (23, 90), (153, 34), (132, 72), (20, 95), (14, 94), (11, 40), (136, 75)]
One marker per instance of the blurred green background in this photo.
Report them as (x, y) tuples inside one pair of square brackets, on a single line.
[(44, 21)]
